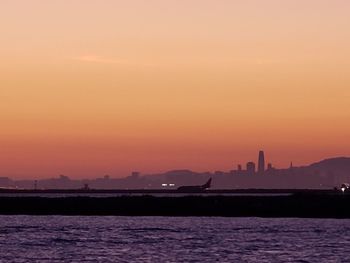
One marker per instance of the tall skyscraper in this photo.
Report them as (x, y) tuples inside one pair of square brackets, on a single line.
[(261, 162)]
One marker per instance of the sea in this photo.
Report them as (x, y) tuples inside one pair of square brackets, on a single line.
[(172, 239)]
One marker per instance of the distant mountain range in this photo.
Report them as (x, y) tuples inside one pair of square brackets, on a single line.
[(327, 173)]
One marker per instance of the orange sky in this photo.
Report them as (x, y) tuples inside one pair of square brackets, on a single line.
[(91, 87)]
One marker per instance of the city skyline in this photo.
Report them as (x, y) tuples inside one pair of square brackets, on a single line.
[(249, 167), (324, 174)]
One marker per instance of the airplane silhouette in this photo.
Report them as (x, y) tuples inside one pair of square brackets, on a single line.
[(195, 188)]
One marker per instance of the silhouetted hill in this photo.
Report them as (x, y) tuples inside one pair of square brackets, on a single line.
[(181, 172), (184, 176), (339, 164), (338, 168)]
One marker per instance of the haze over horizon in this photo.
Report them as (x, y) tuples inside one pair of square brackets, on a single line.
[(92, 87)]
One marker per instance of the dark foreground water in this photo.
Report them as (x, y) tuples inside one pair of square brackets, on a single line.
[(178, 239)]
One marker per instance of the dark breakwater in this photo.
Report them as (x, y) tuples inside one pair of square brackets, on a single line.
[(297, 205), (164, 191)]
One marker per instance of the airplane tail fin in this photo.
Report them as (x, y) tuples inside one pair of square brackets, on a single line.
[(207, 184)]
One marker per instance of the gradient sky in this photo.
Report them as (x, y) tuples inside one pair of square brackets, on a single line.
[(94, 87)]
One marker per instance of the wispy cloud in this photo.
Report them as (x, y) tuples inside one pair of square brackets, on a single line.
[(104, 60)]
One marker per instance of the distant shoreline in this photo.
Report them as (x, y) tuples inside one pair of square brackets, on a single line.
[(301, 205)]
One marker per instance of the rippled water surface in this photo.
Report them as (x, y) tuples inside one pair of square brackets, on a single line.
[(165, 239)]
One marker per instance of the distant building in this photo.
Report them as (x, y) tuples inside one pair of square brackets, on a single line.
[(250, 168), (269, 166), (261, 162), (135, 175)]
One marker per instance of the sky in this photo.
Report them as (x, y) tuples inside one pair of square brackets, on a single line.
[(95, 87)]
